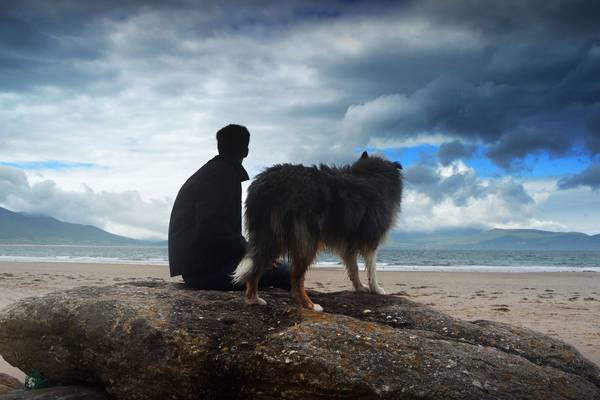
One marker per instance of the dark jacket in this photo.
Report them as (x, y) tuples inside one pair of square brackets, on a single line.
[(205, 231)]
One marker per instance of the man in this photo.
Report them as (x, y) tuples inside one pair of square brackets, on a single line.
[(205, 231)]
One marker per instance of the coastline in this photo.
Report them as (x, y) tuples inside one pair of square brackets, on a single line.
[(381, 266), (560, 304)]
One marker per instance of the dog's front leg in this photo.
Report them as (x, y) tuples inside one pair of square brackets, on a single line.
[(298, 290), (371, 262), (352, 269)]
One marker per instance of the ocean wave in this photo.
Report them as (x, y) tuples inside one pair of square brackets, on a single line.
[(84, 260), (139, 258), (467, 268)]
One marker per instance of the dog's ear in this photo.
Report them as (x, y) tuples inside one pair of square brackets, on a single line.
[(364, 155), (398, 165)]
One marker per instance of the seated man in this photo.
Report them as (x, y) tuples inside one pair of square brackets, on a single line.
[(205, 231)]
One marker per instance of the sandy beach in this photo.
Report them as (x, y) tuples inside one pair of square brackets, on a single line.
[(565, 305)]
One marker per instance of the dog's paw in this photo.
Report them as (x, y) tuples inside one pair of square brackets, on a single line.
[(362, 289), (316, 307), (256, 301), (263, 302), (377, 290)]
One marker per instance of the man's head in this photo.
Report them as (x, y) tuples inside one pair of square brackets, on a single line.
[(233, 141)]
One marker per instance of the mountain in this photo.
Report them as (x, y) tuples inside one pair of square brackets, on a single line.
[(21, 228), (497, 239)]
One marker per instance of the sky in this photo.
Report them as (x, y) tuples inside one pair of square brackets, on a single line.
[(493, 108)]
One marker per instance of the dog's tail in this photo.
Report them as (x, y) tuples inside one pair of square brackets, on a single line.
[(245, 270)]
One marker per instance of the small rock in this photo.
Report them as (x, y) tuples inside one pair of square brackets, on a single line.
[(8, 383), (5, 389), (58, 393)]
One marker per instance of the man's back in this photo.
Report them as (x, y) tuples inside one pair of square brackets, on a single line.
[(205, 226)]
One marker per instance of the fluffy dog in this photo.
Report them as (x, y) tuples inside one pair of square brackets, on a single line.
[(296, 211)]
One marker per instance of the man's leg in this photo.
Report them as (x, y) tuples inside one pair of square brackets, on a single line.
[(219, 280), (279, 277)]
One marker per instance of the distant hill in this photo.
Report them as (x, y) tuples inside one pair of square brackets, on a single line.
[(21, 228), (497, 239)]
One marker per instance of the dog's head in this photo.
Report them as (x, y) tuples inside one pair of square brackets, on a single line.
[(365, 156)]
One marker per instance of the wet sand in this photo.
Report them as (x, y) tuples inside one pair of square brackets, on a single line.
[(565, 305)]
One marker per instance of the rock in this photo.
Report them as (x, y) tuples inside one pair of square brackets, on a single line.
[(158, 340), (8, 383), (58, 393)]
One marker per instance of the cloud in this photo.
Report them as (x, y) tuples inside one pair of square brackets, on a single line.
[(48, 164), (460, 184), (447, 105), (140, 88), (394, 71), (589, 177), (453, 196), (454, 150), (126, 211), (519, 144)]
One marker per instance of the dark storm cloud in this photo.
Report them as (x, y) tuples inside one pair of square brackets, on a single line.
[(520, 63), (593, 124), (454, 150), (421, 174), (41, 45), (48, 43), (518, 144), (495, 74), (589, 177)]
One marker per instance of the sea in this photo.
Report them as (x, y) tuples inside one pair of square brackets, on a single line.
[(388, 259)]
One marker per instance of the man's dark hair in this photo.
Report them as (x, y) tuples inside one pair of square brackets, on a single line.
[(233, 140)]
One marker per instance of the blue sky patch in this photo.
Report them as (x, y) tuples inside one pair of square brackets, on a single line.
[(539, 165)]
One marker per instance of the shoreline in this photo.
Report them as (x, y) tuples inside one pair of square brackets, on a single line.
[(564, 305), (325, 265)]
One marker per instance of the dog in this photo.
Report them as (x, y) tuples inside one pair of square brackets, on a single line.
[(297, 211)]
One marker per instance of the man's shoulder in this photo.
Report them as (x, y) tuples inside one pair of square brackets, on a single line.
[(211, 166), (214, 172), (220, 168)]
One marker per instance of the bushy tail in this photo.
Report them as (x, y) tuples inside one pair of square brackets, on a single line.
[(245, 270)]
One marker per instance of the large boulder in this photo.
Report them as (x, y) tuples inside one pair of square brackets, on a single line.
[(159, 340)]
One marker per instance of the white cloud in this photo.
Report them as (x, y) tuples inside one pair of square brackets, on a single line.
[(439, 197), (124, 213)]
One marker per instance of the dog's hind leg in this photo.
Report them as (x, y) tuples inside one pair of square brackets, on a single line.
[(349, 259), (299, 267), (252, 292), (250, 270), (371, 261)]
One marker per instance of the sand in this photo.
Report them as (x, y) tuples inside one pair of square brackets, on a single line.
[(565, 305)]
